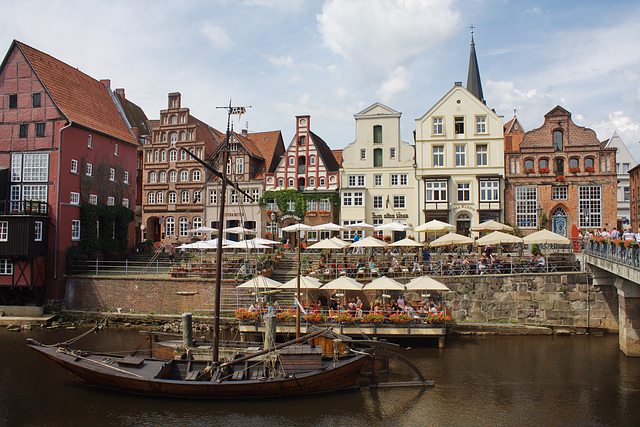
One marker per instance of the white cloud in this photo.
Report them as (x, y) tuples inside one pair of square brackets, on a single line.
[(376, 35), (218, 37), (292, 5), (280, 61), (397, 82)]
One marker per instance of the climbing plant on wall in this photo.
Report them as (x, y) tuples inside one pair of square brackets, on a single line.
[(282, 197)]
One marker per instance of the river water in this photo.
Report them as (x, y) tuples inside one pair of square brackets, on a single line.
[(551, 380)]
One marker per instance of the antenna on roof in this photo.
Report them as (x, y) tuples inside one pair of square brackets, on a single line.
[(471, 27), (514, 113)]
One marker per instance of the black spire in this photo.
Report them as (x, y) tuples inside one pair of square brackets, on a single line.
[(473, 78)]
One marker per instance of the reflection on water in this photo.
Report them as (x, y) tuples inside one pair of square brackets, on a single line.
[(479, 381)]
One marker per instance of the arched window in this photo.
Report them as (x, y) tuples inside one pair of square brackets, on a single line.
[(280, 182), (155, 156), (173, 155), (312, 182), (197, 196), (152, 178), (589, 164), (160, 197), (322, 182), (291, 182), (170, 224), (164, 137), (184, 226), (184, 176), (151, 198), (559, 212), (183, 156), (196, 175), (163, 176), (185, 197), (174, 120), (164, 156), (557, 140), (528, 166), (558, 165), (172, 198), (292, 161), (183, 136), (173, 176), (574, 165), (312, 160), (174, 139), (544, 164), (377, 134), (197, 222)]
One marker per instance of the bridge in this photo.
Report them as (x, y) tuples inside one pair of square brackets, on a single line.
[(618, 265)]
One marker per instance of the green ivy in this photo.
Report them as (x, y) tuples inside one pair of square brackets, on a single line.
[(281, 198), (111, 218)]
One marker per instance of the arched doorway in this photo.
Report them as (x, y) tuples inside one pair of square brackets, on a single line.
[(463, 223), (153, 229), (559, 221)]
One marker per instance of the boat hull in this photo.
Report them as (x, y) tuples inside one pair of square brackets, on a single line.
[(92, 369)]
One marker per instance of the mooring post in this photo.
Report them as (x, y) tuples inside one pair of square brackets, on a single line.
[(187, 330), (269, 332), (440, 342)]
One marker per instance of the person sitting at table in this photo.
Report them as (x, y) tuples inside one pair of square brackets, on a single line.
[(276, 306), (450, 261), (358, 306), (507, 263), (377, 308), (252, 308), (541, 263), (408, 309), (287, 245), (395, 266), (432, 308), (372, 267), (416, 268), (482, 266), (352, 307)]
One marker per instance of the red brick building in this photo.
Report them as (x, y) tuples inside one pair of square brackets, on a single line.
[(634, 202), (66, 142), (560, 176)]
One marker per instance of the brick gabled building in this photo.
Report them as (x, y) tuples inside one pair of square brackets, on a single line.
[(173, 182), (66, 142), (251, 155), (561, 176), (310, 170)]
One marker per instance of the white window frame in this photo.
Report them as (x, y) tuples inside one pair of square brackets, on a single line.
[(559, 192), (324, 205), (173, 176), (115, 150), (93, 199), (112, 174), (170, 226), (590, 196), (74, 198), (526, 207), (399, 179), (239, 165), (196, 175), (460, 155), (438, 156), (463, 191), (125, 202), (75, 229), (355, 181), (16, 167), (37, 232), (90, 141), (489, 191), (6, 267), (111, 201), (74, 166), (436, 191), (89, 169), (197, 196), (126, 177), (35, 167), (392, 153), (185, 197), (184, 176), (438, 126), (151, 198), (4, 231), (363, 154), (173, 156), (172, 198), (160, 197), (213, 197), (378, 202), (183, 224), (482, 155), (399, 201), (377, 180), (481, 124)]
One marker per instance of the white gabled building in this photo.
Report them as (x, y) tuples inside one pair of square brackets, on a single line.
[(460, 157), (624, 163), (377, 179)]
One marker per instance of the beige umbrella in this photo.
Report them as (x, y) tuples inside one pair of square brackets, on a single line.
[(491, 225), (260, 282), (329, 227), (339, 241), (369, 242), (545, 236), (384, 283), (343, 283), (359, 226), (452, 239), (406, 242), (434, 225), (326, 244), (498, 237), (392, 226), (305, 282), (426, 283)]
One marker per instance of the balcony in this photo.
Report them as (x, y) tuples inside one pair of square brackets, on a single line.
[(23, 207)]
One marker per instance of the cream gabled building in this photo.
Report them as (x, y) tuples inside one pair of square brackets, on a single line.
[(460, 157), (377, 179), (624, 163)]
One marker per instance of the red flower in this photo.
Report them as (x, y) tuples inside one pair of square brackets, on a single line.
[(530, 170), (590, 169), (544, 170), (574, 170), (560, 178)]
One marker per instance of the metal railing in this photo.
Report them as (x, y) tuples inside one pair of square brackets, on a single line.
[(620, 254)]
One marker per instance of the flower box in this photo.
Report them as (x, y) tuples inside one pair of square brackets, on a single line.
[(372, 318), (244, 314), (560, 178), (311, 213), (528, 171), (544, 170), (574, 170), (323, 213), (315, 318), (284, 317), (590, 169), (345, 318), (400, 318)]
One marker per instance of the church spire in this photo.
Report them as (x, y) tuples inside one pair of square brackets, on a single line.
[(473, 77)]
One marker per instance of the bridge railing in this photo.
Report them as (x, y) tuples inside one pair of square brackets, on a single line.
[(619, 251)]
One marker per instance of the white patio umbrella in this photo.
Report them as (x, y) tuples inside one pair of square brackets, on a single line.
[(328, 227), (343, 283), (491, 225), (392, 226), (239, 230), (326, 244), (214, 242), (263, 241), (498, 237), (339, 241), (245, 244), (359, 226), (434, 225), (451, 239), (426, 283), (297, 227), (260, 282), (384, 283), (202, 229), (306, 282), (369, 242), (406, 242), (545, 236)]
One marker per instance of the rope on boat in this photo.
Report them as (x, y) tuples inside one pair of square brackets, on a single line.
[(70, 353)]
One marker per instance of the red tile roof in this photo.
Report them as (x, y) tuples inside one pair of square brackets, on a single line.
[(267, 143), (82, 99), (338, 155)]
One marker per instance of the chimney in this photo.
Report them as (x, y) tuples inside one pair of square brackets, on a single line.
[(120, 92), (106, 82), (245, 132)]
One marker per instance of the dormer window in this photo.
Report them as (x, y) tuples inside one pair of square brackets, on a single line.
[(557, 140)]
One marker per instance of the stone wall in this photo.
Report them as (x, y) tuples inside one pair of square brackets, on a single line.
[(554, 299)]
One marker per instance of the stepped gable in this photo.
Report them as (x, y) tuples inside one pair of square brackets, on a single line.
[(558, 118), (80, 98)]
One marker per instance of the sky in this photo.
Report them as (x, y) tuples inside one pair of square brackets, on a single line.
[(331, 59)]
